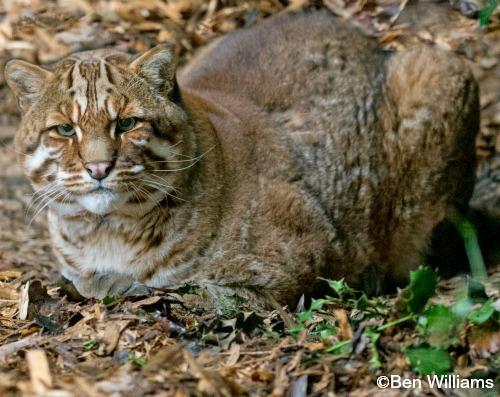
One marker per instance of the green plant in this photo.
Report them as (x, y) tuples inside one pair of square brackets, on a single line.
[(439, 326), (140, 362), (90, 344), (305, 316), (488, 10)]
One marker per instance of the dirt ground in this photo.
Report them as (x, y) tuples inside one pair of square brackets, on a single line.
[(52, 345)]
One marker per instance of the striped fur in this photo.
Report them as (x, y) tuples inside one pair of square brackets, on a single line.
[(92, 91)]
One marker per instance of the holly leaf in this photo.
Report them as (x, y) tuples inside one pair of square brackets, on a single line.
[(341, 287), (440, 326), (307, 315), (414, 297), (428, 360), (373, 336), (483, 314)]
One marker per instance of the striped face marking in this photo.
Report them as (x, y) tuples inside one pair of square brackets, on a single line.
[(74, 147), (108, 150)]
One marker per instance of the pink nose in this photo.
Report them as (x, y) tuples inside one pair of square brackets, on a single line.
[(99, 169)]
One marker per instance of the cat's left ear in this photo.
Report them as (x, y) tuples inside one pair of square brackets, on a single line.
[(157, 66), (26, 82)]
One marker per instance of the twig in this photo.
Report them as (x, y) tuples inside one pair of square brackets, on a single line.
[(14, 347)]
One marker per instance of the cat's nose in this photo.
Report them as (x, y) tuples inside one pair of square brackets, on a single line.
[(99, 169)]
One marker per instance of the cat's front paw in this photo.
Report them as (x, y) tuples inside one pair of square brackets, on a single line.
[(99, 285), (137, 289)]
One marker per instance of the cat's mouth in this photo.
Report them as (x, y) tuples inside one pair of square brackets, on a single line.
[(102, 200), (100, 189)]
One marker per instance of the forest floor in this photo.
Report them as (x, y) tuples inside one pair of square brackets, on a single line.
[(53, 345)]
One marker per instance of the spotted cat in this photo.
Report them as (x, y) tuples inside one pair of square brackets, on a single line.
[(287, 151)]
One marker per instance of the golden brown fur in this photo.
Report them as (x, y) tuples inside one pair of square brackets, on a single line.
[(486, 197), (308, 152)]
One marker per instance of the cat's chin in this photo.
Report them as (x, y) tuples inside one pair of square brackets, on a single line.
[(102, 202)]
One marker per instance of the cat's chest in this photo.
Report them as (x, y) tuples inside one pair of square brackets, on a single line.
[(104, 248)]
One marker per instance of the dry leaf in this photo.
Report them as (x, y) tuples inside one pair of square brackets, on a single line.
[(38, 366)]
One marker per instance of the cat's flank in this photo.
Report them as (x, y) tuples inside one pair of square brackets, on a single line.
[(288, 151)]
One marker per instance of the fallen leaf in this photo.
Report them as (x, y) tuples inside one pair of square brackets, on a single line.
[(38, 366)]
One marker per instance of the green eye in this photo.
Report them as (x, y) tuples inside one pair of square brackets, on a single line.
[(126, 124), (65, 130)]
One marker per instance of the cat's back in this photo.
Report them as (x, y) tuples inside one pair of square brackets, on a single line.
[(285, 60)]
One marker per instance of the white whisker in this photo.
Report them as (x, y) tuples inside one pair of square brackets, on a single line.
[(196, 159), (45, 205)]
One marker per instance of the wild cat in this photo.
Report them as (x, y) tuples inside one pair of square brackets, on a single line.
[(287, 151)]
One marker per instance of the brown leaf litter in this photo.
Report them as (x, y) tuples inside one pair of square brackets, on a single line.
[(155, 346)]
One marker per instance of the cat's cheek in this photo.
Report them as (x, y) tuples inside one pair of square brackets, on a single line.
[(102, 203)]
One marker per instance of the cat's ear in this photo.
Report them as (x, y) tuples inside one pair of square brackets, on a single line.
[(157, 66), (26, 82)]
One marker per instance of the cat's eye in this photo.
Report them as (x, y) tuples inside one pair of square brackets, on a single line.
[(65, 130), (126, 124)]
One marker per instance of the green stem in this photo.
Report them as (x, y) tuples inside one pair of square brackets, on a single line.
[(395, 322), (468, 233), (338, 346), (488, 10)]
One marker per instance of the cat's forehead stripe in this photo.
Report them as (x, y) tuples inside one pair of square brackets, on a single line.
[(80, 87), (91, 80)]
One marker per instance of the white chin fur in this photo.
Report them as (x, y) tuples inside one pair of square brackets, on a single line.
[(102, 203)]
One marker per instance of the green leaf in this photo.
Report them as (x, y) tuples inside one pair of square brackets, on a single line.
[(462, 307), (326, 330), (140, 362), (343, 347), (296, 330), (422, 286), (108, 300), (341, 287), (440, 326), (305, 316), (373, 336), (486, 13), (316, 304), (89, 344), (483, 314), (374, 307), (429, 360)]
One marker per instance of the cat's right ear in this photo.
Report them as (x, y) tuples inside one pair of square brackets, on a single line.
[(157, 66), (26, 81)]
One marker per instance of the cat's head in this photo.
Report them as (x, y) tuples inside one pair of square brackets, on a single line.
[(101, 132)]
